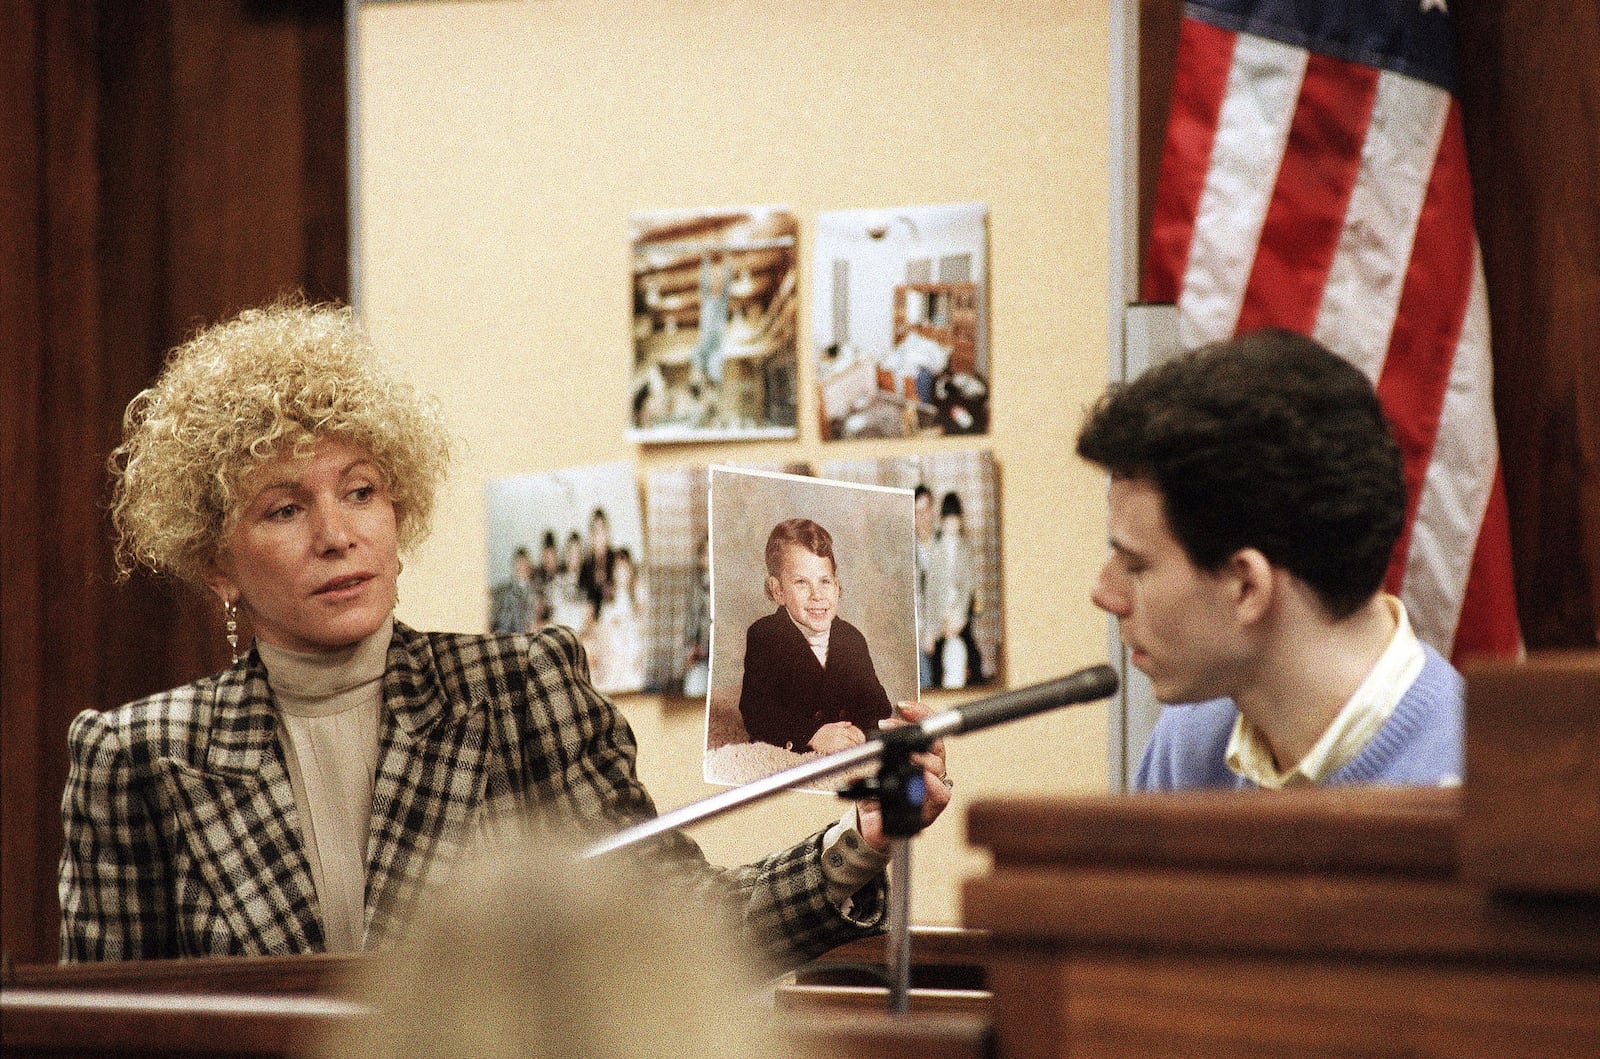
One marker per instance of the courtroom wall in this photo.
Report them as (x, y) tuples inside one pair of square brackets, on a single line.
[(499, 150)]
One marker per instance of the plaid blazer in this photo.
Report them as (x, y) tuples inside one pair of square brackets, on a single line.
[(183, 839)]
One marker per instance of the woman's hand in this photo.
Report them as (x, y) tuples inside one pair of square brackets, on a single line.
[(836, 736), (934, 775)]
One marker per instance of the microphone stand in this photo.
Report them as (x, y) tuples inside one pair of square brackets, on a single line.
[(900, 790), (734, 797)]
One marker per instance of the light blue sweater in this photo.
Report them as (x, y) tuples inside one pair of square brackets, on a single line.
[(1420, 744)]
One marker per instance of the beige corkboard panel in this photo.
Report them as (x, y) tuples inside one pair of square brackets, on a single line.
[(502, 146)]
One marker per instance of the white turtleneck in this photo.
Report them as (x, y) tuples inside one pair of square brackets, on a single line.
[(330, 707), (817, 640)]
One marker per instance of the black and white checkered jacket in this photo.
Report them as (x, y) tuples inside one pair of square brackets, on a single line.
[(182, 836)]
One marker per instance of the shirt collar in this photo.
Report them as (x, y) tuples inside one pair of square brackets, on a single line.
[(1356, 724), (815, 639)]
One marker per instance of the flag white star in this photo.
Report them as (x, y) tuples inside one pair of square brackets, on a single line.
[(1435, 5)]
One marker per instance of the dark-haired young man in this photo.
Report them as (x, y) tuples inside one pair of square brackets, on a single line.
[(1256, 497)]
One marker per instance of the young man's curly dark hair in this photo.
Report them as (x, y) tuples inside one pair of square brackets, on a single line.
[(1267, 441)]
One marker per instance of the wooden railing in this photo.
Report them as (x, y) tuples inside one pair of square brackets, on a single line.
[(1316, 922), (286, 1006)]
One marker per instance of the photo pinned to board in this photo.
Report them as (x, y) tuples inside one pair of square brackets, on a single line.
[(899, 319), (678, 552), (566, 548), (957, 504), (715, 308), (813, 611)]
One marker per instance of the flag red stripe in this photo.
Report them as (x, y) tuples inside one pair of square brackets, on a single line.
[(1315, 179), (1489, 625), (1427, 327), (1275, 258), (1205, 54)]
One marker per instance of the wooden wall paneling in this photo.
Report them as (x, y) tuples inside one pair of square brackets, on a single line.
[(138, 143), (21, 229), (324, 151), (68, 99), (1530, 89), (188, 161), (233, 192), (1158, 47)]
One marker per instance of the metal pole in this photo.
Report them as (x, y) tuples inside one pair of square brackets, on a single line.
[(734, 797), (899, 957)]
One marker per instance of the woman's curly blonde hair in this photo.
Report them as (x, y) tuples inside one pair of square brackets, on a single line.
[(270, 383)]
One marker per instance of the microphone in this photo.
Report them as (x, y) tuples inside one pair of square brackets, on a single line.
[(1086, 685)]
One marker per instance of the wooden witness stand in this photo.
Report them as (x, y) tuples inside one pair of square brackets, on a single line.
[(1321, 922), (1329, 922)]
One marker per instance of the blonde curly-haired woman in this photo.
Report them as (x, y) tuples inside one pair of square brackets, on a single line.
[(299, 800)]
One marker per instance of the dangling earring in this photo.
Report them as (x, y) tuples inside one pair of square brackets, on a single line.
[(230, 619)]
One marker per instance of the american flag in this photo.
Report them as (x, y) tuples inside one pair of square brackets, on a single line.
[(1314, 177)]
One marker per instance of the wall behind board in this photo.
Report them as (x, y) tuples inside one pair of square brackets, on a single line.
[(500, 147), (165, 165)]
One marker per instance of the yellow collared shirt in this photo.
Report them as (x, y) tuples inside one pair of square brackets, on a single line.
[(1356, 724)]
